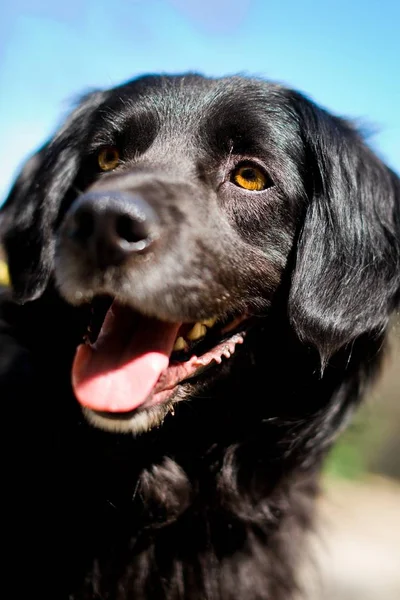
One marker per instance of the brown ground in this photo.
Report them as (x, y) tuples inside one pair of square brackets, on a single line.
[(357, 547)]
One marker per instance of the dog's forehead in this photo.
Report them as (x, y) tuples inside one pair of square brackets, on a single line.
[(191, 105), (188, 94)]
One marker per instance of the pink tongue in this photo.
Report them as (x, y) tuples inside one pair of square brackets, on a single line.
[(119, 372)]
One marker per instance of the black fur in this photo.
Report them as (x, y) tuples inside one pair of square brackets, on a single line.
[(216, 502)]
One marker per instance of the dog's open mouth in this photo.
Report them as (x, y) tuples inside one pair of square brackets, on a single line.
[(130, 361)]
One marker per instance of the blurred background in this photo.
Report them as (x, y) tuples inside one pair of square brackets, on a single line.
[(345, 55)]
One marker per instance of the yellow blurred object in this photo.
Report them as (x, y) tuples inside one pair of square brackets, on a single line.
[(4, 276)]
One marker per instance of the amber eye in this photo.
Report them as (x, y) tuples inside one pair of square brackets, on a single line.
[(250, 178), (108, 158)]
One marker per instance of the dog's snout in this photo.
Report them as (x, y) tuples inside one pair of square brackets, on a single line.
[(112, 226)]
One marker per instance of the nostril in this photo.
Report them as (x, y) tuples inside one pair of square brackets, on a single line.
[(111, 226), (131, 230)]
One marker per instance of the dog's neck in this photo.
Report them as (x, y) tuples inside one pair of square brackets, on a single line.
[(206, 506), (211, 526)]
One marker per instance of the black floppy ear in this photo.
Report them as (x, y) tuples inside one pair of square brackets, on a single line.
[(346, 279), (30, 211)]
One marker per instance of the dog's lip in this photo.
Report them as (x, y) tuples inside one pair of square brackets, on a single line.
[(161, 395), (221, 327), (158, 389)]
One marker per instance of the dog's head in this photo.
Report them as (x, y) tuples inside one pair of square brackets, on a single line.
[(177, 207)]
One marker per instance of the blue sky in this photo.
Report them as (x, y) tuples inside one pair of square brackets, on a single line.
[(344, 54)]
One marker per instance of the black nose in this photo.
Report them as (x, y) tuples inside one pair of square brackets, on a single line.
[(111, 226)]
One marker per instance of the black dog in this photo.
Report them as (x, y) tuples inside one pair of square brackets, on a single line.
[(208, 265)]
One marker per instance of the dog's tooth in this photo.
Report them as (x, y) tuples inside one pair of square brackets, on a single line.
[(209, 322), (198, 331), (180, 344)]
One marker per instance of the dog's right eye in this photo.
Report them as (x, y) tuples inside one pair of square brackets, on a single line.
[(108, 158)]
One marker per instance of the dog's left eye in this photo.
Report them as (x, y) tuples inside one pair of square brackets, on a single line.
[(108, 158), (251, 177)]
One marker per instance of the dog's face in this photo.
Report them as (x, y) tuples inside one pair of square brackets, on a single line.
[(176, 194), (175, 207)]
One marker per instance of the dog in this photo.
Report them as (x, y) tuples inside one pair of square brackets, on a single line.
[(203, 272)]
